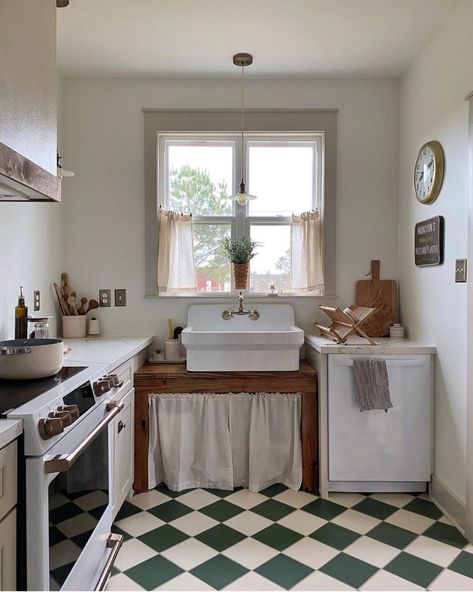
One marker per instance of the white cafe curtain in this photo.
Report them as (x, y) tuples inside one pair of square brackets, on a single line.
[(222, 441), (175, 271), (307, 252)]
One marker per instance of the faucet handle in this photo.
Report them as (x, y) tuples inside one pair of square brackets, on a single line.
[(227, 314)]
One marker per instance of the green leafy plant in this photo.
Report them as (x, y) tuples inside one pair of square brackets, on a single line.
[(240, 250)]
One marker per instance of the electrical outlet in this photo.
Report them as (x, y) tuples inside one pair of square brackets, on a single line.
[(120, 297), (36, 300), (460, 270), (105, 297)]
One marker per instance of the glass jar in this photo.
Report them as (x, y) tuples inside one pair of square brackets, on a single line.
[(41, 329)]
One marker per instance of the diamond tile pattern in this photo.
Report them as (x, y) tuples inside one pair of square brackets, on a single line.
[(282, 539)]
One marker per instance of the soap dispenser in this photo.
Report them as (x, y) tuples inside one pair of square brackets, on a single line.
[(21, 317)]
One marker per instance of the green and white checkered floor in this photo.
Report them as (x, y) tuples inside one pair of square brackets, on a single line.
[(280, 539)]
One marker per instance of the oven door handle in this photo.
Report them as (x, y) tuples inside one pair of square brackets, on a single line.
[(63, 462), (114, 542)]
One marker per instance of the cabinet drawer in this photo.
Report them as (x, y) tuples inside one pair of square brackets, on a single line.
[(8, 469), (8, 552), (125, 372)]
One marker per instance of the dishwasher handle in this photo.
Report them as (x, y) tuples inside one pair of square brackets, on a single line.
[(403, 363)]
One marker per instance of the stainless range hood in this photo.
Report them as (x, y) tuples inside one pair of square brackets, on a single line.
[(23, 180)]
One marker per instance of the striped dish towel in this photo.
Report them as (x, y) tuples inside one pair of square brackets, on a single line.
[(371, 384)]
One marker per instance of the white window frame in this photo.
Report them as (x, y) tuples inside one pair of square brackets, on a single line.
[(239, 219)]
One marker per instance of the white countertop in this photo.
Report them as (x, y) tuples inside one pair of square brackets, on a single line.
[(358, 345), (9, 430), (108, 352)]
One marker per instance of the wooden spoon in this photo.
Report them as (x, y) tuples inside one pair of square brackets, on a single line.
[(82, 309), (92, 304), (72, 302)]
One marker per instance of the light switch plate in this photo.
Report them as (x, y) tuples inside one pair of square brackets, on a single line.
[(460, 270), (105, 297), (36, 300), (120, 297)]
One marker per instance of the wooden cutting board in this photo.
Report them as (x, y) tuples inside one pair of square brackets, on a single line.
[(379, 294)]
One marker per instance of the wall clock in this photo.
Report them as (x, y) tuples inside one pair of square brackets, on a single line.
[(428, 172)]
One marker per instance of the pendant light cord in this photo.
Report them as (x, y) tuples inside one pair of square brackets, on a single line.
[(242, 118)]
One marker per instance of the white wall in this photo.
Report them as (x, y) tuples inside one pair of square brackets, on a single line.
[(104, 202), (433, 306), (30, 233)]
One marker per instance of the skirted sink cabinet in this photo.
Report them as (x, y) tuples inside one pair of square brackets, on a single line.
[(161, 379)]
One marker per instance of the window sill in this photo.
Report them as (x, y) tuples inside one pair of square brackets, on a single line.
[(233, 295)]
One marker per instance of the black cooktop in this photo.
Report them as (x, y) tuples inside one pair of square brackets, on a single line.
[(14, 393)]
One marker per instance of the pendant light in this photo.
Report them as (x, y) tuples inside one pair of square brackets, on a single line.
[(242, 60)]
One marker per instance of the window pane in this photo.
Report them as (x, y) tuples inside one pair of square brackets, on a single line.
[(282, 179), (200, 179), (211, 264), (273, 261)]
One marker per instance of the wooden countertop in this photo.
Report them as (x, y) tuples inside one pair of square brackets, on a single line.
[(148, 371)]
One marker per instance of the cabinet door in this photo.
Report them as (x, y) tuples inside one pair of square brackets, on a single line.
[(8, 552), (375, 445), (123, 452), (8, 467)]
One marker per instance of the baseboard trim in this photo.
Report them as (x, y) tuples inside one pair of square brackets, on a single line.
[(448, 502)]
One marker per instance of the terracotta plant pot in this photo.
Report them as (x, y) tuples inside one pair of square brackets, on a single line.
[(240, 275)]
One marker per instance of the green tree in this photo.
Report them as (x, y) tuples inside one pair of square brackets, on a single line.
[(284, 262), (192, 191)]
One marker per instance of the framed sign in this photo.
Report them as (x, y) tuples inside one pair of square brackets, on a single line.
[(428, 241)]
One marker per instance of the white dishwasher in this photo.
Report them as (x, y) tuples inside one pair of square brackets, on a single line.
[(378, 450)]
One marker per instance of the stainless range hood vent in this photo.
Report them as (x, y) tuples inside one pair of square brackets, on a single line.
[(23, 180)]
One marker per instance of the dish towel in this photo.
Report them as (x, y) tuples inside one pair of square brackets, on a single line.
[(371, 384)]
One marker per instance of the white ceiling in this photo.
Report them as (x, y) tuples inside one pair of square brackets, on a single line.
[(335, 38)]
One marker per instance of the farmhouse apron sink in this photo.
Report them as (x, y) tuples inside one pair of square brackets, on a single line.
[(271, 342)]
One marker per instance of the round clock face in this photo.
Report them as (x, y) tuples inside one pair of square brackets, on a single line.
[(428, 172)]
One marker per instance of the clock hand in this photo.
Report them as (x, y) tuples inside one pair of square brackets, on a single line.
[(421, 176), (430, 163)]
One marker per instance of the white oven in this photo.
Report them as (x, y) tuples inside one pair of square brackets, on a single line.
[(69, 499)]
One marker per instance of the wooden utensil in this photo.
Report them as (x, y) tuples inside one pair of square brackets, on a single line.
[(60, 299), (82, 309), (92, 304), (72, 302), (65, 291), (379, 294)]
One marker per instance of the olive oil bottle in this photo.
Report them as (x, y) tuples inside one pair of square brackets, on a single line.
[(21, 317)]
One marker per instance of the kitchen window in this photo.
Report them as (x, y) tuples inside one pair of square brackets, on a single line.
[(197, 172)]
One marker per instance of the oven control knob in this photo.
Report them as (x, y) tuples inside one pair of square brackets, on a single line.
[(49, 427), (113, 379), (101, 387), (73, 411), (64, 416)]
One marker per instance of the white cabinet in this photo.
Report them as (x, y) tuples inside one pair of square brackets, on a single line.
[(377, 445), (8, 552), (8, 498), (8, 464), (123, 452)]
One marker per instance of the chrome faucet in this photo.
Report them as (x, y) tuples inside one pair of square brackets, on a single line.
[(253, 314)]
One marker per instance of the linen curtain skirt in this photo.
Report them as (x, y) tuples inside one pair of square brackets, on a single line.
[(222, 441)]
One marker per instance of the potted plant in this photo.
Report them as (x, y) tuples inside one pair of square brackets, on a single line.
[(240, 251)]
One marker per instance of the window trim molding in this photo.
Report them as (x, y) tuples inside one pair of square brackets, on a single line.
[(226, 121)]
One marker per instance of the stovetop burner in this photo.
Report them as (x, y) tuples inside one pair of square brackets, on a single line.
[(14, 393)]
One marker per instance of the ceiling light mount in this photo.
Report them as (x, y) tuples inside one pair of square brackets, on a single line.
[(242, 59), (62, 3)]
